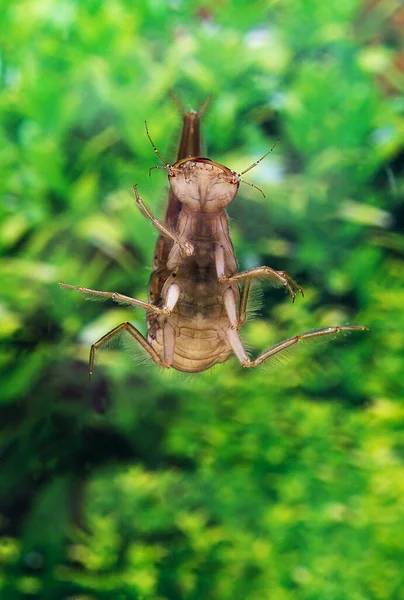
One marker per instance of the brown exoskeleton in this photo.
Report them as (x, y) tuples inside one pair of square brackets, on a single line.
[(196, 307)]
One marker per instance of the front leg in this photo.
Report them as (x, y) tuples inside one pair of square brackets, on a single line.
[(186, 247), (276, 277)]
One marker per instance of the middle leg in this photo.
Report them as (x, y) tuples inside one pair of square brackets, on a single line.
[(276, 277), (172, 298)]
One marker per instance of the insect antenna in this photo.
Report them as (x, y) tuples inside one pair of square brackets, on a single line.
[(158, 167), (156, 151), (256, 162), (252, 185)]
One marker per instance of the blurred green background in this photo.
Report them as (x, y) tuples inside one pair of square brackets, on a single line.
[(270, 484)]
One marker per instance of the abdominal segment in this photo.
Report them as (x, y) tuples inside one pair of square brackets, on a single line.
[(190, 349)]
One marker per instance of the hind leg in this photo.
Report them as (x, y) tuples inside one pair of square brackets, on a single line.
[(135, 334), (238, 348)]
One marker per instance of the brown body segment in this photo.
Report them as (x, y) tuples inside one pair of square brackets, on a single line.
[(190, 145), (195, 306), (199, 321)]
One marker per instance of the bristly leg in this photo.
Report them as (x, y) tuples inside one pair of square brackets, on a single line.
[(135, 334), (239, 351), (244, 302), (278, 278), (116, 297)]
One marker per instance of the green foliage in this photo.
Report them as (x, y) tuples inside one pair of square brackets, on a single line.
[(283, 482)]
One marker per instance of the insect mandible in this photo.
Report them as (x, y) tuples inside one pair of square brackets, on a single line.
[(196, 307)]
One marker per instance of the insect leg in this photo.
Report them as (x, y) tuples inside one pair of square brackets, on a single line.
[(246, 362), (244, 302), (168, 343), (171, 299), (120, 298), (173, 293), (186, 247), (230, 304), (277, 278), (236, 344), (220, 270), (135, 334), (220, 263)]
